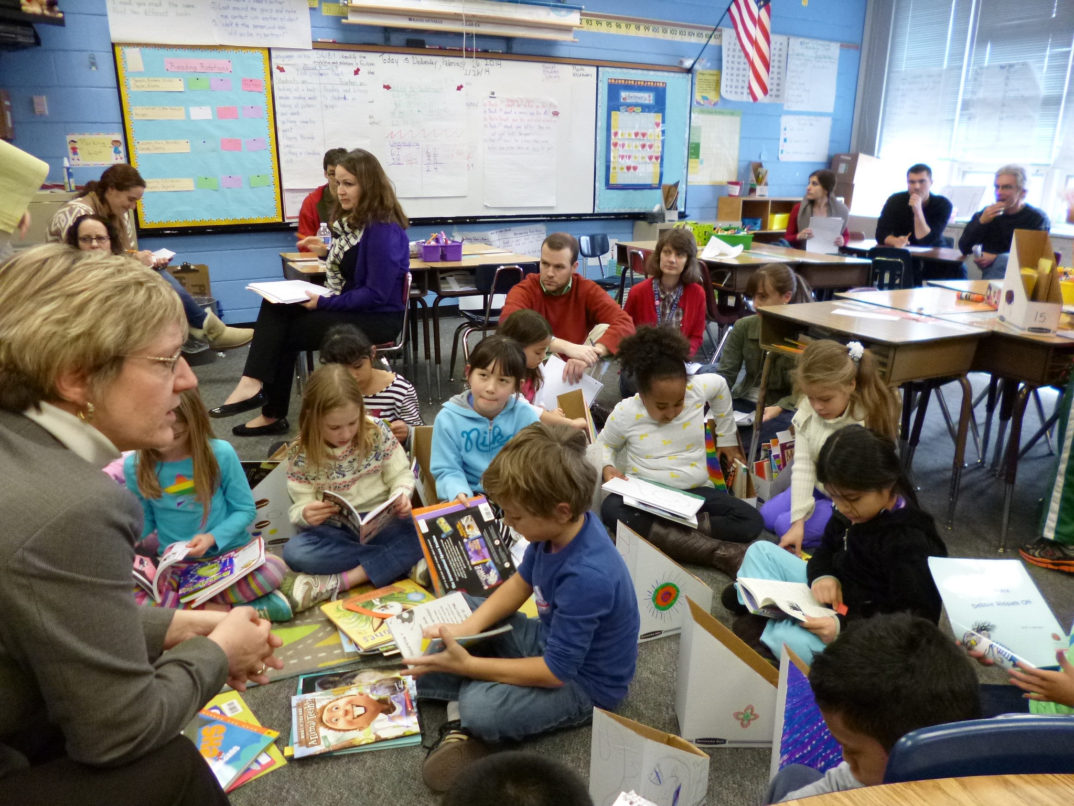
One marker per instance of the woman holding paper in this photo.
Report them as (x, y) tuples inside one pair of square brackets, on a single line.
[(367, 264), (96, 689), (818, 202), (107, 203)]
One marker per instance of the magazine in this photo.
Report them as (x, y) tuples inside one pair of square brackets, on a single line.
[(363, 616), (228, 745), (364, 528), (776, 599), (465, 545), (359, 714), (407, 628), (202, 580), (152, 577)]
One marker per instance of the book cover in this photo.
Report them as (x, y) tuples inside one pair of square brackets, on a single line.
[(231, 704), (363, 616), (200, 581), (464, 546), (364, 528), (777, 599), (153, 578), (228, 745), (354, 715)]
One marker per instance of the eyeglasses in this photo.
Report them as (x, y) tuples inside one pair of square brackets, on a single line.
[(169, 362), (94, 239)]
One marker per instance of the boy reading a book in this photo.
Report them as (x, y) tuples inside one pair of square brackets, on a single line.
[(880, 679), (545, 674)]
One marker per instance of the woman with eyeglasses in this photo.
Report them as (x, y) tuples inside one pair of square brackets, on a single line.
[(95, 690), (109, 200)]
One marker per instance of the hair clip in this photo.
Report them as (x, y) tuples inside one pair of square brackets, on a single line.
[(855, 350)]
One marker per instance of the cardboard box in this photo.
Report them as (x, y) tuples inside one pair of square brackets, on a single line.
[(801, 735), (194, 277), (740, 710), (626, 755), (1038, 310), (660, 584), (421, 446), (272, 502)]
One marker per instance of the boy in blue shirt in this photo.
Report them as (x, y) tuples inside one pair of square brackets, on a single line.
[(546, 674)]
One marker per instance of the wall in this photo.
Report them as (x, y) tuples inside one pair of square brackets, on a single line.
[(84, 99)]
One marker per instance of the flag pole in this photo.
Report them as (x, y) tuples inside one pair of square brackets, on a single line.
[(715, 28)]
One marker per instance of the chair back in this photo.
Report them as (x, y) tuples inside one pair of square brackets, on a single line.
[(1016, 744), (947, 242), (593, 245), (892, 268), (397, 346), (635, 268), (492, 281), (711, 312)]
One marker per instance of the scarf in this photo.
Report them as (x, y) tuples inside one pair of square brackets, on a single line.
[(344, 238), (836, 209)]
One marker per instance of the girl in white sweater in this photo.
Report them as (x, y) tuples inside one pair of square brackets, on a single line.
[(839, 386)]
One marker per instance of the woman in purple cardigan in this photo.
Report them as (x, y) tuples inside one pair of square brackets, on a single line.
[(366, 266)]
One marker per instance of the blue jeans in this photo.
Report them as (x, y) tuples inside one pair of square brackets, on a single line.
[(329, 549), (496, 712), (195, 314), (789, 779), (997, 269), (777, 517), (766, 560)]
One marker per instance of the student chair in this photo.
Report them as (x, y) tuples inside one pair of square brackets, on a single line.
[(1014, 744), (597, 246), (892, 268), (635, 268), (489, 281), (722, 310)]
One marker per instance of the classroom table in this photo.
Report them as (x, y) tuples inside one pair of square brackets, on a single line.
[(944, 258), (981, 790), (907, 346)]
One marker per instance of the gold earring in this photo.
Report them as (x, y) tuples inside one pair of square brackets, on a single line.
[(86, 414)]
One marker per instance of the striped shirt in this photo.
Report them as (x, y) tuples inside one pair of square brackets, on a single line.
[(396, 401)]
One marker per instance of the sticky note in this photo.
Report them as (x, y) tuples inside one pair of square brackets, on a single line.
[(197, 83), (220, 84), (158, 113), (260, 180), (201, 113), (253, 112), (168, 185), (227, 112), (256, 144), (207, 183), (253, 85), (134, 60), (231, 181), (230, 144)]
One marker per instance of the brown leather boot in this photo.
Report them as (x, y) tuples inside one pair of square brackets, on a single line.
[(686, 545)]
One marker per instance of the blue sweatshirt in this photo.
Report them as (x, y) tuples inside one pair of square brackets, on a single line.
[(465, 442), (176, 515)]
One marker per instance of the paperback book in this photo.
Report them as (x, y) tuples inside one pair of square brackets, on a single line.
[(202, 580), (231, 704), (364, 527), (363, 616), (287, 292), (228, 745), (776, 599), (465, 546), (408, 628), (153, 577), (656, 499)]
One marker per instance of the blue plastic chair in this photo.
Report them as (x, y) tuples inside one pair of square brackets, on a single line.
[(1017, 744)]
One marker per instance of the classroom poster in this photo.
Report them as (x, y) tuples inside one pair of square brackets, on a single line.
[(714, 136), (94, 149), (706, 88), (635, 134), (735, 75), (200, 129)]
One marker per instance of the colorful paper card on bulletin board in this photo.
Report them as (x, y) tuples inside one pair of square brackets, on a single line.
[(201, 131)]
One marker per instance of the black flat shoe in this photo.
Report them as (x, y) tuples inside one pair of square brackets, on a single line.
[(229, 409), (278, 427)]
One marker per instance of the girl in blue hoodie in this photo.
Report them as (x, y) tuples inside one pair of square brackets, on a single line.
[(472, 427)]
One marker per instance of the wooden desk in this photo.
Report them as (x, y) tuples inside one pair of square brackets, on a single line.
[(936, 254), (932, 301), (302, 266), (908, 347), (975, 286), (983, 790)]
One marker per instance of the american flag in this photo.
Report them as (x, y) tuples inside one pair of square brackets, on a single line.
[(753, 26)]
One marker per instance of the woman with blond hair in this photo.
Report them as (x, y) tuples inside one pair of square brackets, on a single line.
[(95, 689)]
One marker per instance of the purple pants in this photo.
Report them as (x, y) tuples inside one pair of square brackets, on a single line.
[(777, 516)]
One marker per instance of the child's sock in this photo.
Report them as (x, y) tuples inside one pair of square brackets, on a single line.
[(453, 714)]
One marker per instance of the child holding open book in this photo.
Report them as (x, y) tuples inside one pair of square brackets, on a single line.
[(195, 492), (340, 449)]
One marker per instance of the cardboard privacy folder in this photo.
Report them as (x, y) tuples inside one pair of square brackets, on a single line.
[(740, 711), (627, 755), (660, 584), (1032, 299)]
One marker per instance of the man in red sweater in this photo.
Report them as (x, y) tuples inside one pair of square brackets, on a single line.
[(587, 324), (318, 205)]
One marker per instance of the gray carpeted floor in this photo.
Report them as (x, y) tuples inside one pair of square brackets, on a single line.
[(737, 777)]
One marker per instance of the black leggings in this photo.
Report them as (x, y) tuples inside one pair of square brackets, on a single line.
[(731, 519)]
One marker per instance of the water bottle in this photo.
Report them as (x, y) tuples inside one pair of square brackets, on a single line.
[(325, 235)]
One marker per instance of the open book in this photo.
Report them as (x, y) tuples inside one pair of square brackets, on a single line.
[(656, 499), (776, 599), (364, 528), (202, 580), (407, 628), (287, 291), (152, 577)]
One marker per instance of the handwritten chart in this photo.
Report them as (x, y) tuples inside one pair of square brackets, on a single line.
[(199, 124), (264, 23)]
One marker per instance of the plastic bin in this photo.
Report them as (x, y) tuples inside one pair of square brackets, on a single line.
[(430, 252), (451, 251), (745, 239)]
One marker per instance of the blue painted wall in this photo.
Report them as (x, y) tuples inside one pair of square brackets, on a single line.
[(82, 99)]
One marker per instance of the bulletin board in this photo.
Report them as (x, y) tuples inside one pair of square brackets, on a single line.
[(201, 130)]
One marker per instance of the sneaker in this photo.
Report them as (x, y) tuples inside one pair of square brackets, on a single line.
[(303, 591), (1048, 554), (455, 748), (420, 573), (273, 607)]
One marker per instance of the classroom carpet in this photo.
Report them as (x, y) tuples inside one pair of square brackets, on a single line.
[(737, 777)]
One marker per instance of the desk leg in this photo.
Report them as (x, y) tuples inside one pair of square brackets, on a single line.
[(904, 423), (924, 392), (758, 413), (436, 342), (1011, 457), (964, 417)]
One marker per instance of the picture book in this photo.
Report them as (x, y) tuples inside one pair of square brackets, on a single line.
[(573, 406), (363, 615), (465, 546), (777, 599), (408, 627), (231, 704), (664, 502), (660, 585), (200, 581), (364, 527), (357, 714), (287, 291), (994, 606), (801, 735), (153, 577), (229, 745)]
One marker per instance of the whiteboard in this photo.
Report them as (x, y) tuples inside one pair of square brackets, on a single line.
[(457, 136)]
